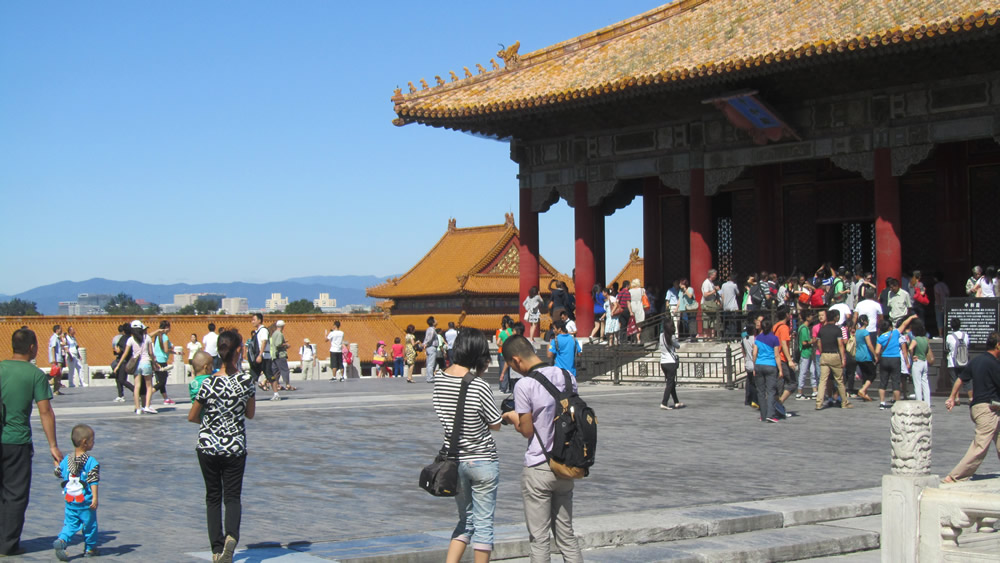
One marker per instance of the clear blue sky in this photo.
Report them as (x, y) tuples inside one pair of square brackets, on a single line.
[(171, 141)]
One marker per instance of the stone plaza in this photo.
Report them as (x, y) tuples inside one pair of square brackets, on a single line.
[(334, 463)]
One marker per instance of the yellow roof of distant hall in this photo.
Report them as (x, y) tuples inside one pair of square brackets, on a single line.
[(689, 40), (472, 260)]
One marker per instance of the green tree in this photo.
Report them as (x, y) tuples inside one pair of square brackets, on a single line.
[(152, 309), (187, 310), (204, 306), (301, 307), (123, 304), (18, 308)]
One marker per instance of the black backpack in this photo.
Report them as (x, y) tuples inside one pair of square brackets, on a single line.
[(253, 348), (575, 425)]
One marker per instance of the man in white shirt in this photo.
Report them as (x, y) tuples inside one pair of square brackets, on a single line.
[(869, 307), (308, 353), (570, 323), (261, 362), (210, 343), (73, 362), (845, 312), (710, 305), (951, 347), (336, 338), (56, 357)]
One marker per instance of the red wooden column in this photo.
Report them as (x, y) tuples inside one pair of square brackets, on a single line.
[(528, 250), (699, 223), (888, 253), (600, 248), (652, 251), (585, 267), (764, 181)]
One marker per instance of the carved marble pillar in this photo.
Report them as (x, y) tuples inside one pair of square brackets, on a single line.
[(910, 440)]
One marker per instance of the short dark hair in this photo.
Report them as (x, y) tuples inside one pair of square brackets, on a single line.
[(164, 324), (885, 325), (80, 433), (55, 328), (832, 316), (451, 324), (561, 325), (517, 345), (22, 340), (430, 322), (781, 312), (765, 326), (471, 349), (336, 324), (918, 328), (410, 329), (992, 340), (260, 316), (211, 327), (396, 341), (956, 323), (517, 327)]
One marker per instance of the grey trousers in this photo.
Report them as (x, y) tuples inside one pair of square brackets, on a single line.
[(431, 362), (548, 505), (766, 381)]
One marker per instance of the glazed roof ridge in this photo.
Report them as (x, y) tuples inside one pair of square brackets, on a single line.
[(746, 44)]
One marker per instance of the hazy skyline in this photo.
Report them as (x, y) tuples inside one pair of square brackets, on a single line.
[(192, 142)]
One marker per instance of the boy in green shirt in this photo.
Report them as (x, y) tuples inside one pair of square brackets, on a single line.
[(807, 360)]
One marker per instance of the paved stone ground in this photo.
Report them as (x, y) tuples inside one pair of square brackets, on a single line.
[(338, 461)]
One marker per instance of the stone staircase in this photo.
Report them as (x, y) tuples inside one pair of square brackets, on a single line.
[(783, 529)]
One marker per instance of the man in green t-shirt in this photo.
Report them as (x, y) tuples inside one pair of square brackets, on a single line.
[(808, 364), (21, 383)]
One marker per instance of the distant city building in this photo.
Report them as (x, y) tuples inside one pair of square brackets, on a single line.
[(235, 305), (275, 303), (98, 300), (185, 299), (169, 309), (75, 308), (325, 304)]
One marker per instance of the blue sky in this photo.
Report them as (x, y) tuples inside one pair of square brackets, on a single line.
[(252, 141)]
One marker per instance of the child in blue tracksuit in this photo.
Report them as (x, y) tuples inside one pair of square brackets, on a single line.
[(80, 474)]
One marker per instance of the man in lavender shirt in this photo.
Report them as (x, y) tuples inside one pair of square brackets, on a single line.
[(545, 497)]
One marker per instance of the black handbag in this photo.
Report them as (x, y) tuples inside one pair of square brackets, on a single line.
[(441, 477)]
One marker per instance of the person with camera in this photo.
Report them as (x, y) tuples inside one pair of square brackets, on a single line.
[(478, 463), (548, 500)]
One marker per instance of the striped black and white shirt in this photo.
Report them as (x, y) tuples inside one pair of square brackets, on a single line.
[(475, 443)]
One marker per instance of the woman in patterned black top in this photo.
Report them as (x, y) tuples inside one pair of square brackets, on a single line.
[(222, 404)]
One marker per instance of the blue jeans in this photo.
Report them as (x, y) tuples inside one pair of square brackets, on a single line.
[(808, 365), (397, 367), (477, 503), (79, 515)]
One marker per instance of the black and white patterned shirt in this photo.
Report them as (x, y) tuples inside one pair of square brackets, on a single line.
[(224, 403), (475, 443)]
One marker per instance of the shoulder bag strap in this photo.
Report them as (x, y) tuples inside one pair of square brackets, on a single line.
[(458, 423), (556, 394)]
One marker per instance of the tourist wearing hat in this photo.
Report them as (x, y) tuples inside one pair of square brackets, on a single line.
[(308, 353), (140, 347)]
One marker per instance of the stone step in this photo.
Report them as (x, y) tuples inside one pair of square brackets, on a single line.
[(624, 529), (781, 544)]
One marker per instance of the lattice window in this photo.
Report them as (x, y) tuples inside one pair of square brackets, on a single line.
[(859, 245), (724, 246)]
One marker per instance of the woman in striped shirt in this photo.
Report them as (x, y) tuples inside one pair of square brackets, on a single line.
[(478, 464)]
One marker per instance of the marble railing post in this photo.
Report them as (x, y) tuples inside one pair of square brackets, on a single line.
[(84, 368), (355, 367), (910, 439), (179, 374)]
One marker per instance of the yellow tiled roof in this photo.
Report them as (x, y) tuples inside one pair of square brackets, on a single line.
[(689, 40), (476, 260), (633, 269)]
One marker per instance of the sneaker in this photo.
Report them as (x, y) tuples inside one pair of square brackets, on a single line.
[(149, 410), (912, 396), (800, 397), (771, 420), (227, 550), (883, 406), (169, 402), (754, 405), (666, 407), (60, 546), (92, 552), (847, 406), (138, 411), (119, 399), (276, 397)]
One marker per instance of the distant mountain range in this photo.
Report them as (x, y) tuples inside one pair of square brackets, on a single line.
[(347, 290)]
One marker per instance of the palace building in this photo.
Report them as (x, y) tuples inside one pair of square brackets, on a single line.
[(470, 277), (761, 134)]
